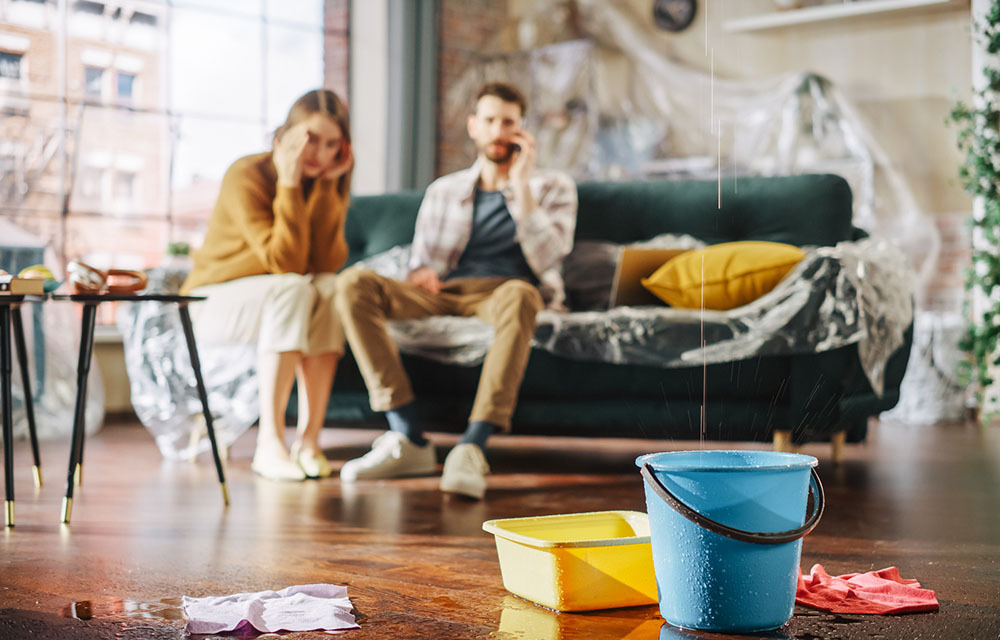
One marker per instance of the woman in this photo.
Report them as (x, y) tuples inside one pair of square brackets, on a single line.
[(273, 245)]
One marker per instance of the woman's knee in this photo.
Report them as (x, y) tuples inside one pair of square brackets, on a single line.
[(326, 283), (291, 294), (293, 285)]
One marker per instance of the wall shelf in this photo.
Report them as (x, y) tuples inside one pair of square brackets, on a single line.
[(841, 11)]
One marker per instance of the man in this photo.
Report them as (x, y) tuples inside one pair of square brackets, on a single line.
[(489, 241)]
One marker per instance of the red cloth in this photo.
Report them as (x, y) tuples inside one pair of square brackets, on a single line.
[(878, 592)]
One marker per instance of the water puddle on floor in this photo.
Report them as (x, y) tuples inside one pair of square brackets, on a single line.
[(167, 609)]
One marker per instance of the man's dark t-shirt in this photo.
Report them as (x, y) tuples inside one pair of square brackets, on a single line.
[(492, 250)]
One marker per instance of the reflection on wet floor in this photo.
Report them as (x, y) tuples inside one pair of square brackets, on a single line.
[(524, 620), (806, 624), (82, 610), (166, 609)]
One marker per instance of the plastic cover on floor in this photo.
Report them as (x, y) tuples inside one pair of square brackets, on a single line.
[(932, 390), (164, 393)]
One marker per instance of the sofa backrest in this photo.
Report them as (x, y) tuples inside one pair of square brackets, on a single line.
[(379, 223), (812, 209)]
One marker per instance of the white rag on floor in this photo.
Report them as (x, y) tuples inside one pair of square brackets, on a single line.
[(308, 607)]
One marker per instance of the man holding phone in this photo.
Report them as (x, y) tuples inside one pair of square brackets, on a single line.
[(489, 241)]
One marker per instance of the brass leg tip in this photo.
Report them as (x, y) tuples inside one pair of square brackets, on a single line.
[(10, 513), (225, 494), (78, 475), (37, 471), (67, 509)]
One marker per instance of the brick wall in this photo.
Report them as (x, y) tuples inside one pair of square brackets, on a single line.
[(336, 46), (466, 28), (945, 288)]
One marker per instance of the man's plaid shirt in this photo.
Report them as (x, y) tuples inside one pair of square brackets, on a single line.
[(444, 225)]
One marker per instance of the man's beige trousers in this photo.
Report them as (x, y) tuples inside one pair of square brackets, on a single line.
[(365, 300)]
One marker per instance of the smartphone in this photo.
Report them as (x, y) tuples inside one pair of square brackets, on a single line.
[(514, 146)]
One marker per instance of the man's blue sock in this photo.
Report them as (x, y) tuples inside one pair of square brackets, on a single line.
[(478, 432), (404, 420)]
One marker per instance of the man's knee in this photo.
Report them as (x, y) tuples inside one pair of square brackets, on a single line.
[(355, 284), (519, 296)]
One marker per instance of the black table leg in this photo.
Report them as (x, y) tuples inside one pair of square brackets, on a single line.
[(29, 408), (8, 412), (203, 394), (75, 473)]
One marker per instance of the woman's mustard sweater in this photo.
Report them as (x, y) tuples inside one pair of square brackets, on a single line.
[(260, 227)]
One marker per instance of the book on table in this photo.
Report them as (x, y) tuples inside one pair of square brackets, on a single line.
[(15, 286)]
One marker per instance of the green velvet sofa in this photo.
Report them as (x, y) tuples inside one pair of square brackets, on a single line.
[(802, 397)]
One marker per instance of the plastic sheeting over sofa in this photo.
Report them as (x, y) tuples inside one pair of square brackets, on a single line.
[(856, 292)]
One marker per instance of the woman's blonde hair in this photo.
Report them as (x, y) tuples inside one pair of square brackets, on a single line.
[(329, 103)]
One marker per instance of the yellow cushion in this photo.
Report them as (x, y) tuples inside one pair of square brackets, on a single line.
[(733, 274)]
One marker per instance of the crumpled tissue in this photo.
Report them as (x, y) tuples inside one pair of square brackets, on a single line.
[(310, 607)]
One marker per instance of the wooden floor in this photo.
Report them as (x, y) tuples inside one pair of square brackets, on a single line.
[(417, 564)]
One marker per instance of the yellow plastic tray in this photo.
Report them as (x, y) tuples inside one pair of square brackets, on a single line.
[(579, 561)]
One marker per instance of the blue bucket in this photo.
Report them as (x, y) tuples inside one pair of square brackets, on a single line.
[(726, 529)]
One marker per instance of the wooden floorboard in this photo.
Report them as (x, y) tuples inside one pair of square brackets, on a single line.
[(418, 565)]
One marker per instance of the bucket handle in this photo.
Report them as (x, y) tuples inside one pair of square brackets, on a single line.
[(755, 537)]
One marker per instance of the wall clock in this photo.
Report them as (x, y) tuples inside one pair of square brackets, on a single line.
[(674, 15)]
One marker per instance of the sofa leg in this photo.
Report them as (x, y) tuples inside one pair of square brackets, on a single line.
[(837, 441), (783, 441)]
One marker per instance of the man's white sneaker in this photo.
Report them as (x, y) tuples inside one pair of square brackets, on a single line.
[(465, 471), (392, 456)]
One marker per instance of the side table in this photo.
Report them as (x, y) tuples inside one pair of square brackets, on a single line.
[(90, 301), (10, 317)]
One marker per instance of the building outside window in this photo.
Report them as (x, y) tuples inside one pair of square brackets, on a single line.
[(90, 181), (10, 65), (125, 189), (93, 82), (86, 6), (126, 86), (139, 17)]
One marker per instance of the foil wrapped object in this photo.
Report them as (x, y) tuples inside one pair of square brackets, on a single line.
[(53, 377), (163, 389)]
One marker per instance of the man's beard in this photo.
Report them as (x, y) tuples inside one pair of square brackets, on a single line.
[(499, 157)]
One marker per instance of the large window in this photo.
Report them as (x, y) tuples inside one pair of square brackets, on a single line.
[(123, 143)]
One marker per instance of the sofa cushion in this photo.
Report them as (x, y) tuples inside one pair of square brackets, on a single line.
[(723, 276)]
